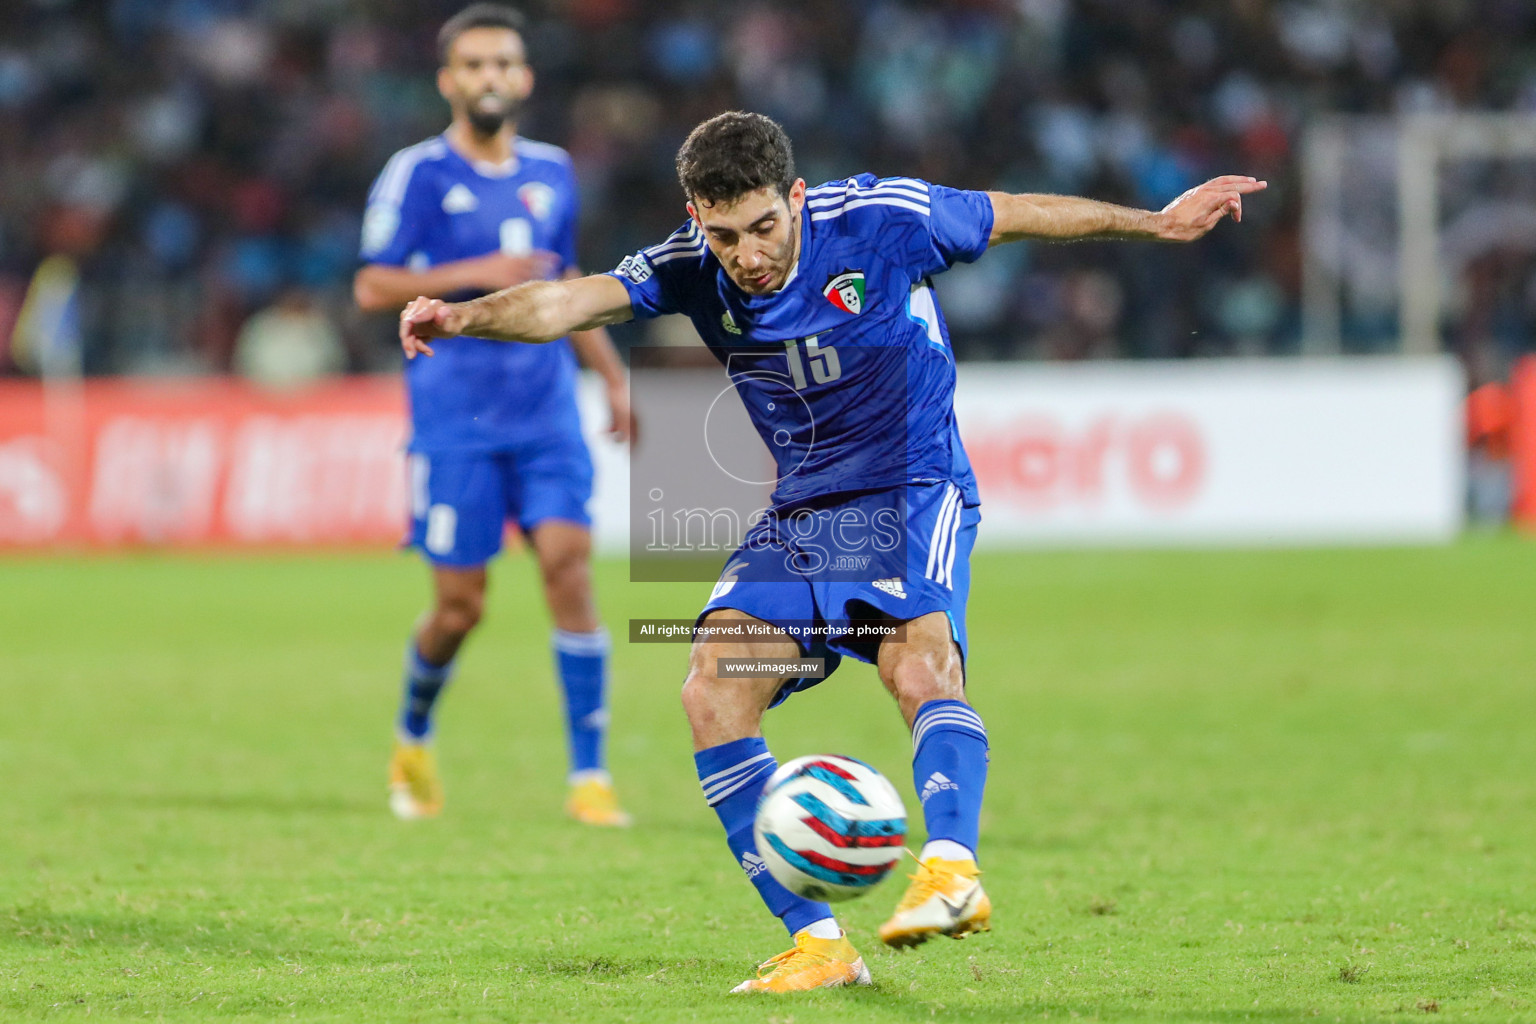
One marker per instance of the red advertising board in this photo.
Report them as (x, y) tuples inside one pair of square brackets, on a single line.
[(1523, 441), (201, 462), (1206, 452)]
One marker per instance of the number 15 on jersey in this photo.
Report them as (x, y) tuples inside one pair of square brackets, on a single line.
[(824, 365)]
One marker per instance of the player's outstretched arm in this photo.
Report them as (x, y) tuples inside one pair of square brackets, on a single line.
[(596, 352), (379, 288), (1069, 218), (538, 312)]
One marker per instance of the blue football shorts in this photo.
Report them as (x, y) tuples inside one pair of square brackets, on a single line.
[(461, 502), (902, 553)]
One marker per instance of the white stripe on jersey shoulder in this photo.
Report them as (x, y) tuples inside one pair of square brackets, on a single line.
[(697, 253), (881, 200), (827, 202), (823, 199), (541, 151), (684, 241), (914, 184), (688, 233), (396, 175), (835, 192)]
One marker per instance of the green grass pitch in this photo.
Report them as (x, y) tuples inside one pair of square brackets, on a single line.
[(1225, 786)]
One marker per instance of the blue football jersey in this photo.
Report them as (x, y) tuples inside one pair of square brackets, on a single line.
[(431, 206), (847, 371)]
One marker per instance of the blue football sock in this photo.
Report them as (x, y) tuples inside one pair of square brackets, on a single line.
[(424, 683), (581, 660), (949, 769), (733, 775)]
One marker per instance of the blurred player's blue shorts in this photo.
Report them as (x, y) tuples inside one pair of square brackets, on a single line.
[(812, 580), (461, 502)]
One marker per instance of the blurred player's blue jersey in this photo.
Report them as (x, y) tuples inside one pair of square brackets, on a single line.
[(847, 371), (431, 206)]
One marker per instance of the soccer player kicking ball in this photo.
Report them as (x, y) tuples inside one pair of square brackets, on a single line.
[(494, 429), (818, 287)]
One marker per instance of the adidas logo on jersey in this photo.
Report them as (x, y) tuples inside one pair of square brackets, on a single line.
[(937, 783), (460, 200), (752, 864), (891, 586)]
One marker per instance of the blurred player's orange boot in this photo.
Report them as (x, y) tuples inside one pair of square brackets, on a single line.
[(944, 898), (592, 801), (813, 963), (414, 789)]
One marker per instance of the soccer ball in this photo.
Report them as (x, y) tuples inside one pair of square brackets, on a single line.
[(829, 827)]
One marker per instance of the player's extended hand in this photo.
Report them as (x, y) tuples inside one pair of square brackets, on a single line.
[(1197, 211), (496, 270), (424, 319), (624, 426)]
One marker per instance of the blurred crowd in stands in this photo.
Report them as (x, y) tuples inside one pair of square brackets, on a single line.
[(197, 168)]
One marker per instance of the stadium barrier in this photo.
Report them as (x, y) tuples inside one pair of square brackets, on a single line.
[(1249, 452), (1523, 441)]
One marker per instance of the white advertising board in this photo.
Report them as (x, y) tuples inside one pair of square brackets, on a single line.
[(1218, 452), (1249, 452), (610, 467)]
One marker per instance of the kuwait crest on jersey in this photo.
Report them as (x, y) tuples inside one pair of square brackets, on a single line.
[(846, 291), (539, 198)]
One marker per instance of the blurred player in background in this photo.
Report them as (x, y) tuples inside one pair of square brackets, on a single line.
[(495, 432), (830, 289)]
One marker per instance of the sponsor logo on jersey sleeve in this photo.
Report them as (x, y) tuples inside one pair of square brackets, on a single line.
[(637, 268), (846, 291)]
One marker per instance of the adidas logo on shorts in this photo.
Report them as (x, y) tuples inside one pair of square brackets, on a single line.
[(891, 586), (937, 782), (752, 864)]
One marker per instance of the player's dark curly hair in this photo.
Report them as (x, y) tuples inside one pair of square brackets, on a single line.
[(476, 16), (734, 153)]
